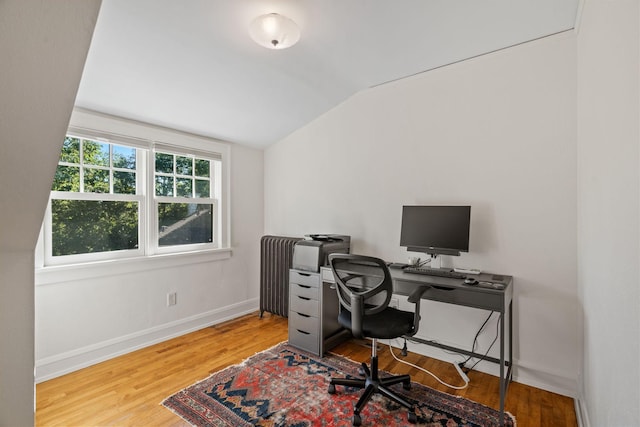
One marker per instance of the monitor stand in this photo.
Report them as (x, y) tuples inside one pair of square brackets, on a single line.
[(436, 261)]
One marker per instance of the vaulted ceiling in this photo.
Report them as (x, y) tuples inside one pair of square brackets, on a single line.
[(191, 65)]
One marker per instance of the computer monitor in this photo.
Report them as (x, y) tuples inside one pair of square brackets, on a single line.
[(436, 230)]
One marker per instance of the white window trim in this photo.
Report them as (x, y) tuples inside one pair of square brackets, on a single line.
[(87, 270), (92, 125)]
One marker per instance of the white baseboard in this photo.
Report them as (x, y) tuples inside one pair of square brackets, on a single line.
[(546, 378), (64, 363), (525, 373), (581, 412)]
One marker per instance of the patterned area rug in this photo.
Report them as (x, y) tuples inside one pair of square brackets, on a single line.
[(287, 387)]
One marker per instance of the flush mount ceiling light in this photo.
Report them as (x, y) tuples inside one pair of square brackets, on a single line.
[(274, 31)]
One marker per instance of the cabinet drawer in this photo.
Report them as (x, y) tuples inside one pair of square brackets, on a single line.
[(303, 322), (466, 297), (307, 291), (309, 279), (305, 340), (304, 305)]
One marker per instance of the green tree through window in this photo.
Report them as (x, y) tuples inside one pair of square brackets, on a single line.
[(94, 224), (88, 226)]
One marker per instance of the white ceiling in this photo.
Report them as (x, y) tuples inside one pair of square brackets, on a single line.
[(191, 65)]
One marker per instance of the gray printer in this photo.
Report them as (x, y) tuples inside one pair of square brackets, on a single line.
[(312, 253)]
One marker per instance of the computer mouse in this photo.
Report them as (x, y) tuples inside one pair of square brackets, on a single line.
[(470, 281)]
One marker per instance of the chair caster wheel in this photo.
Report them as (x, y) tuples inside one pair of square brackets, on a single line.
[(412, 417), (407, 385), (357, 420), (332, 389)]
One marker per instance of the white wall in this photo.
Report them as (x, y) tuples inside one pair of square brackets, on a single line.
[(496, 132), (43, 46), (608, 210), (91, 313)]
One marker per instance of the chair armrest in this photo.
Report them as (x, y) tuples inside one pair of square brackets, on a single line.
[(357, 314), (415, 296)]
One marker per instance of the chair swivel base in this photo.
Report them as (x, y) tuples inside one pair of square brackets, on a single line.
[(372, 384)]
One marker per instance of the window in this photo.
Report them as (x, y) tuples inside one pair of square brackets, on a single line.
[(95, 200), (185, 205), (114, 200)]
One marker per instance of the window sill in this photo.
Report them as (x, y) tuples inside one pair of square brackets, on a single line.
[(65, 273)]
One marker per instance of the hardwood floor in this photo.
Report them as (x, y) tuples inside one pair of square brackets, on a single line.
[(127, 391)]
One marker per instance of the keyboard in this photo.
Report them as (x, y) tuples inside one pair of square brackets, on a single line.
[(434, 272)]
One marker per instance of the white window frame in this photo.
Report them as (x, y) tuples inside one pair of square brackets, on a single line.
[(149, 138), (138, 197), (214, 199), (95, 256)]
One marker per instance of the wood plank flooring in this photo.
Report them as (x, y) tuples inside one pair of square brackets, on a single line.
[(127, 391)]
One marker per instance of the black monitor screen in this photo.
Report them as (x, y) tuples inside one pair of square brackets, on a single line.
[(436, 229)]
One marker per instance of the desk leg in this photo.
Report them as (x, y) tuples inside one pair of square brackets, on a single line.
[(510, 371), (502, 376)]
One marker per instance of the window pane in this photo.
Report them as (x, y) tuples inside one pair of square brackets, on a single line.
[(67, 178), (202, 188), (96, 180), (164, 163), (83, 226), (184, 223), (202, 168), (95, 153), (70, 150), (124, 182), (164, 186), (184, 187), (124, 157), (184, 165)]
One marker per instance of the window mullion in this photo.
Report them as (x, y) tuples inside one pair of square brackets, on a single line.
[(193, 177), (81, 159), (111, 190), (141, 191), (152, 213), (175, 177)]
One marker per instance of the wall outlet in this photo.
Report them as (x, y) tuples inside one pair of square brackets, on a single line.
[(172, 298)]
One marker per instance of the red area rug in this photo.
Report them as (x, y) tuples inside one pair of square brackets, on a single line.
[(287, 387)]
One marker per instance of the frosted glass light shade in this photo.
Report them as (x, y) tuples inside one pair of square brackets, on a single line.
[(274, 31)]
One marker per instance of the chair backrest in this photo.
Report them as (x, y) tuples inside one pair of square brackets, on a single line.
[(364, 286)]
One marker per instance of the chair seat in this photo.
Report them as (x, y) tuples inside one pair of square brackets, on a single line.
[(389, 323)]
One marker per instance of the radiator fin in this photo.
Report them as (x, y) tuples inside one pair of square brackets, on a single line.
[(276, 257)]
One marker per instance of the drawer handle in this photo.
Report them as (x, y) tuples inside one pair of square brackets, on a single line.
[(304, 274), (303, 315), (304, 298), (443, 288), (304, 286), (304, 332)]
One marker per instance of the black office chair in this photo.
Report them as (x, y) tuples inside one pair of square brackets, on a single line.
[(365, 287)]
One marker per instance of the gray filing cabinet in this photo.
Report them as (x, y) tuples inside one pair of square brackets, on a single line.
[(313, 313)]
